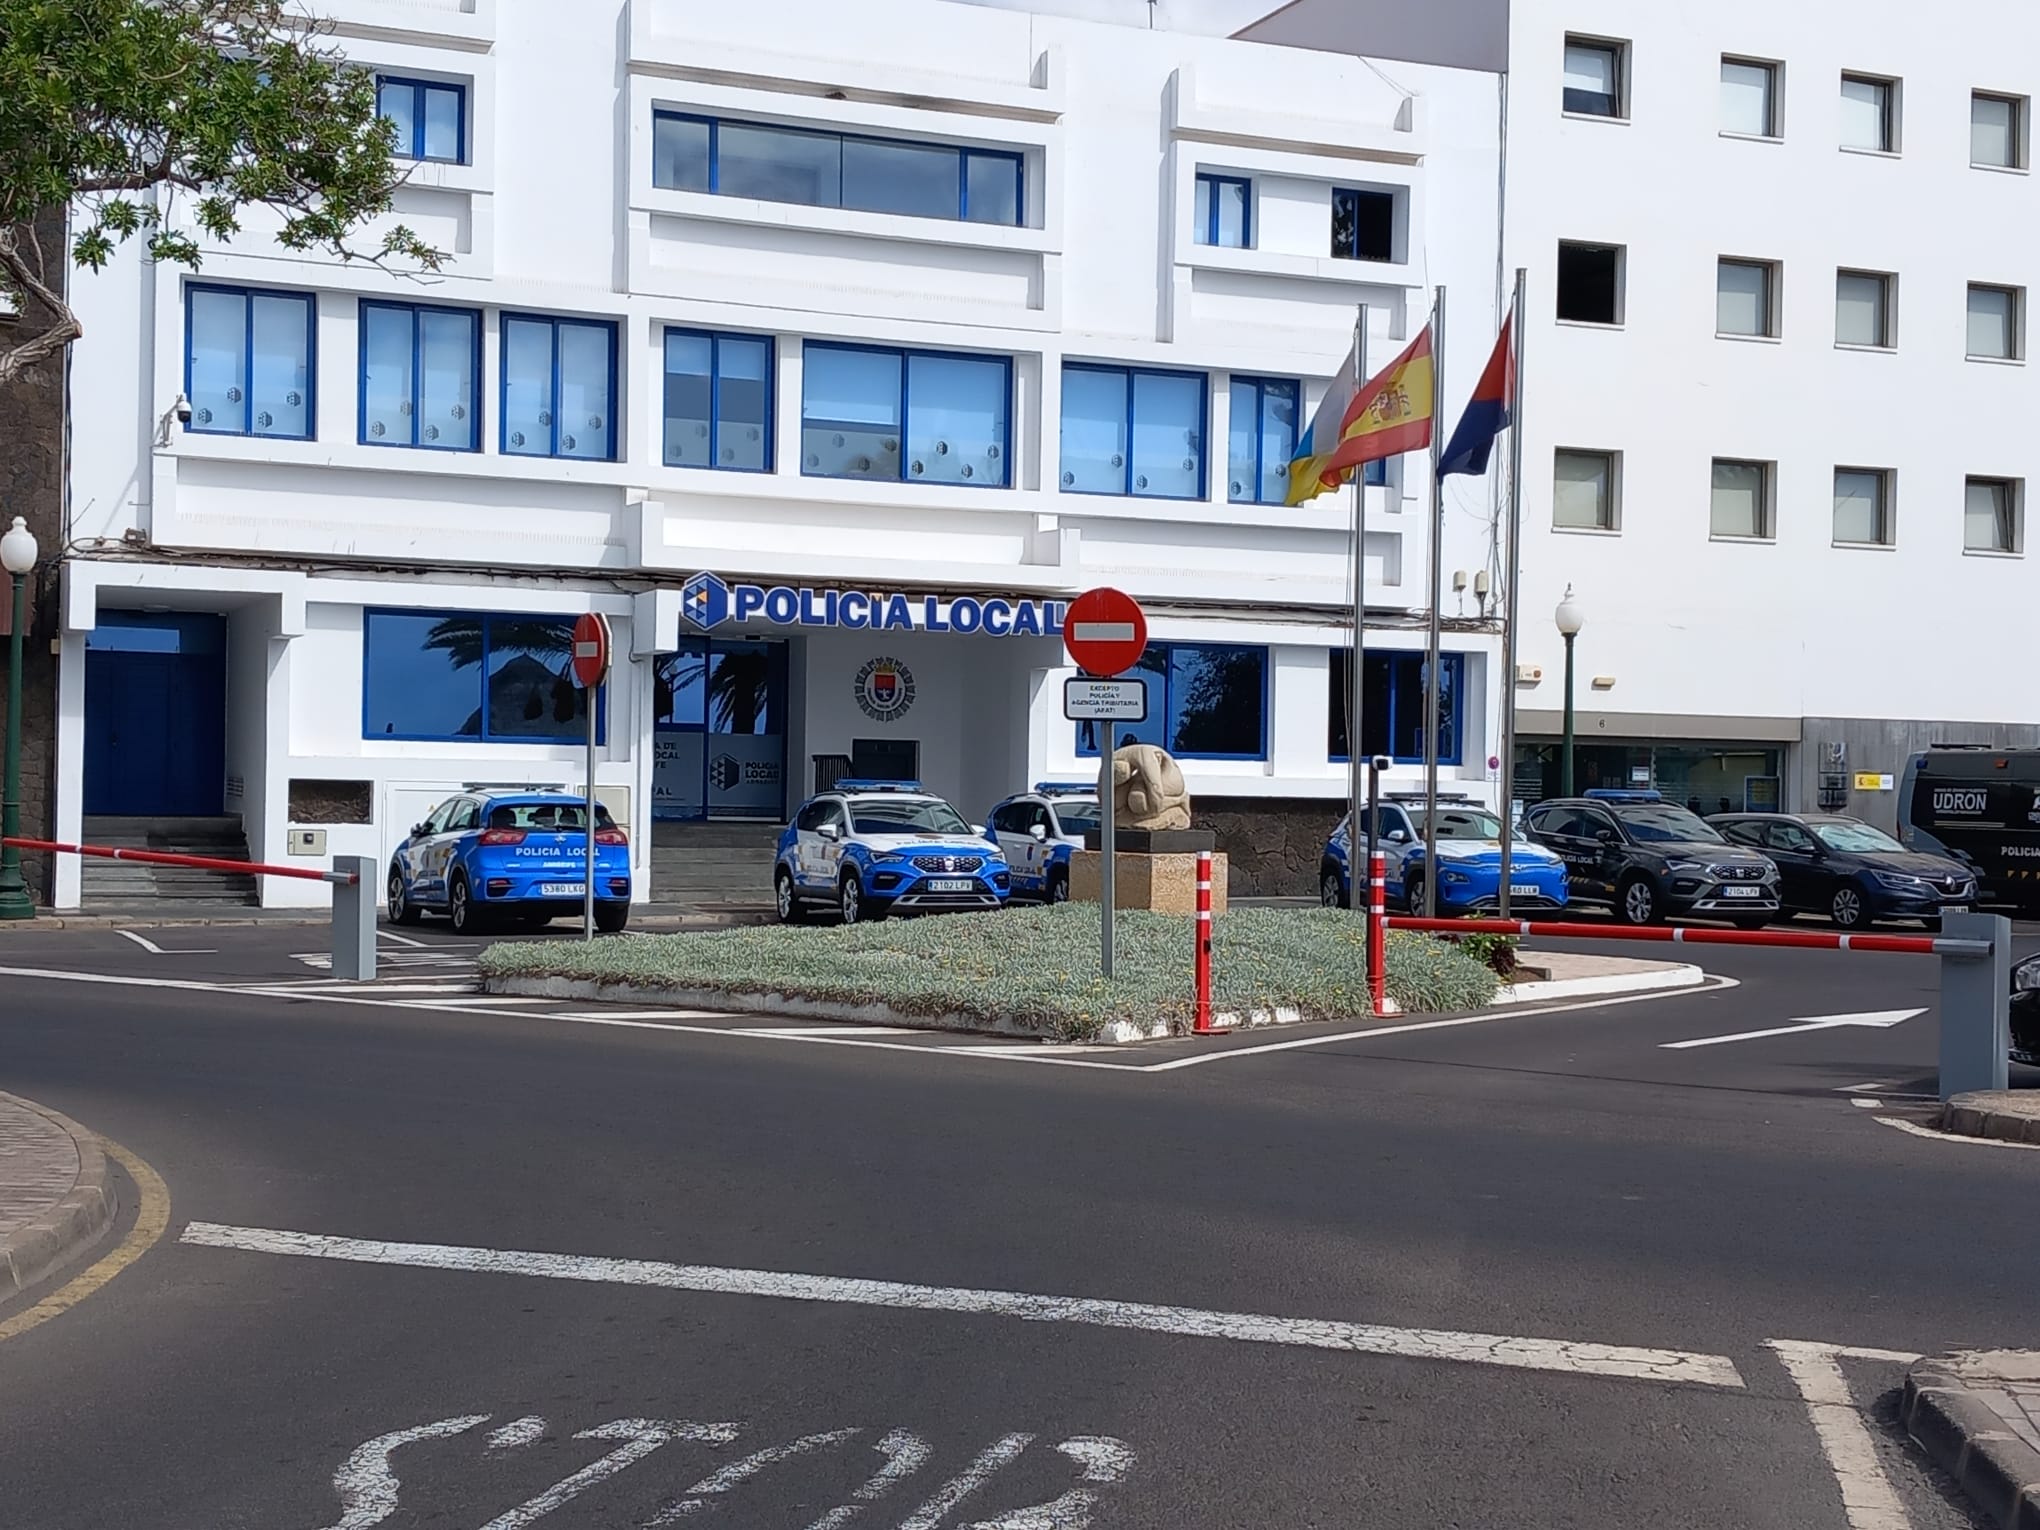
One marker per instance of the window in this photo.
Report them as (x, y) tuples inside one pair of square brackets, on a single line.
[(860, 406), (1869, 114), (1997, 131), (1593, 77), (1263, 440), (818, 168), (1583, 491), (430, 117), (1746, 298), (718, 401), (1363, 224), (1991, 515), (421, 372), (1863, 506), (1742, 499), (1224, 212), (1749, 98), (559, 387), (468, 676), (1994, 323), (1863, 309), (248, 361), (1392, 705), (1590, 283), (1126, 430), (1205, 702)]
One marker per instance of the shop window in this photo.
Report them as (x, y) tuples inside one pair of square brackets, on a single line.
[(559, 387), (429, 116), (471, 677), (718, 401), (918, 416), (1392, 703), (1204, 702), (1127, 430), (248, 361), (421, 372)]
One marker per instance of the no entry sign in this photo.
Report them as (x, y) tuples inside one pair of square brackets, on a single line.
[(1105, 632), (591, 650)]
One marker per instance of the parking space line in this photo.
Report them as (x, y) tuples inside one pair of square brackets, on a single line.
[(155, 950), (1867, 1495)]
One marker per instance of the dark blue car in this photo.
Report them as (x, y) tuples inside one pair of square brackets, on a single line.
[(490, 855)]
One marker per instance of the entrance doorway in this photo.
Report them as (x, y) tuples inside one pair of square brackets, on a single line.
[(885, 759), (156, 715), (719, 743)]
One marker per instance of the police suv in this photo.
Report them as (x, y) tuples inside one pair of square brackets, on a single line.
[(1469, 851), (1037, 831), (873, 847)]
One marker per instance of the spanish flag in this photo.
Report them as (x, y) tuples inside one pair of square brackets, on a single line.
[(1389, 416)]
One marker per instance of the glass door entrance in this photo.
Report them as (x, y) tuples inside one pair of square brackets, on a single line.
[(720, 732)]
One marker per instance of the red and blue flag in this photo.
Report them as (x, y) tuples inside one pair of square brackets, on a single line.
[(1491, 411)]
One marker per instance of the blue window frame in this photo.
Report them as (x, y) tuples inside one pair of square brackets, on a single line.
[(919, 416), (559, 388), (249, 361), (1225, 211), (817, 168), (421, 376), (1130, 430), (1262, 439), (472, 677), (1392, 702), (1363, 224), (1206, 701), (430, 117), (718, 401)]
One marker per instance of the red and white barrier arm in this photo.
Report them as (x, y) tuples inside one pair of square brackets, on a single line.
[(198, 862), (1802, 940)]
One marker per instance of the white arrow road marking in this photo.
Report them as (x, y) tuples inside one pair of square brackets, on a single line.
[(1575, 1357), (1877, 1018), (367, 1484)]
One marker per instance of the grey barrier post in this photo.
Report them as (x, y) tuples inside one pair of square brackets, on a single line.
[(1976, 1000), (354, 905)]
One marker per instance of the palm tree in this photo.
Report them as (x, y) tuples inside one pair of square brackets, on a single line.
[(739, 684)]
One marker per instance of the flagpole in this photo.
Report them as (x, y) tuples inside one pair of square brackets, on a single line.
[(1437, 583), (1511, 571), (1357, 870)]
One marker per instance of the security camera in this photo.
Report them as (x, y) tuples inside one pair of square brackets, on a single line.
[(182, 409)]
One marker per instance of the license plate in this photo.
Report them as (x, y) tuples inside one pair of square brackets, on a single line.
[(951, 885), (1742, 892), (560, 889), (1522, 889)]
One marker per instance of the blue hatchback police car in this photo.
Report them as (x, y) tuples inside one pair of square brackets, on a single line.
[(1469, 857), (872, 847), (490, 853), (1037, 832)]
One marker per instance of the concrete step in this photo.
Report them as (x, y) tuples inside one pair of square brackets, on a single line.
[(669, 835), (105, 882)]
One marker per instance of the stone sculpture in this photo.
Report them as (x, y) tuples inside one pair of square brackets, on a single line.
[(1148, 791)]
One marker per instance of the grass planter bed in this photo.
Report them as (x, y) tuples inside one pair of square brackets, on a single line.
[(1023, 971)]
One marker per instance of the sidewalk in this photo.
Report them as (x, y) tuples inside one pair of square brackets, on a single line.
[(55, 1197), (1977, 1413)]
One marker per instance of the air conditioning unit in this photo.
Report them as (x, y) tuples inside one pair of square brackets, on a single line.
[(1529, 674)]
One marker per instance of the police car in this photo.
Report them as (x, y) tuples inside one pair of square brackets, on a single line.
[(1037, 831), (1469, 851), (491, 852), (873, 847)]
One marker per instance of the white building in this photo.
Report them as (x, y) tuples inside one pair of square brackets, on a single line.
[(892, 342)]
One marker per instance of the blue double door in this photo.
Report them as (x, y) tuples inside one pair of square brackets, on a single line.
[(156, 715)]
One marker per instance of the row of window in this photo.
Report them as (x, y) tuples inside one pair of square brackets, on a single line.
[(1597, 84), (869, 412), (1587, 496), (1362, 220)]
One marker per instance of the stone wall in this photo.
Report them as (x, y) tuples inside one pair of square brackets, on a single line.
[(1274, 844)]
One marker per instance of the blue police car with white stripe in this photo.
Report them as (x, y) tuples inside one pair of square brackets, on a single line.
[(1038, 831), (869, 848)]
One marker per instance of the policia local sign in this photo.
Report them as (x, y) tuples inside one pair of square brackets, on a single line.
[(709, 602)]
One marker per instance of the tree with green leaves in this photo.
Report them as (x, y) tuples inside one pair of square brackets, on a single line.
[(165, 120)]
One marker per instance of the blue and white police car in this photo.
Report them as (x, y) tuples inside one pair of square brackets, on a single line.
[(489, 853), (1037, 831), (873, 847), (1469, 855)]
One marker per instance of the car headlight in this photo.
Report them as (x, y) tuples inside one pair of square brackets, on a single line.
[(1685, 866), (1900, 879), (1452, 878)]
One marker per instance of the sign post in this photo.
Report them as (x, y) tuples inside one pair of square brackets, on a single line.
[(591, 668), (1105, 632)]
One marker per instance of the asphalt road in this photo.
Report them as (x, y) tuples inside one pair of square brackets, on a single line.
[(1642, 1225)]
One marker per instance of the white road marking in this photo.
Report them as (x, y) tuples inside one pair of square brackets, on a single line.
[(640, 1436), (831, 1030), (367, 1484), (904, 1455), (1573, 1357), (738, 1472), (1867, 1497), (1103, 1461), (524, 1431), (402, 940), (1866, 1104), (999, 1453), (1879, 1019), (1914, 1129), (155, 950)]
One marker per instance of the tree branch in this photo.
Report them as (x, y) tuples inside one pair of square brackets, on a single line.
[(28, 278)]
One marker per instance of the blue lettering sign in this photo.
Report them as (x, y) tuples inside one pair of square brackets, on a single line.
[(782, 606), (899, 616), (749, 599), (853, 609), (998, 618), (707, 601), (965, 614), (1026, 620)]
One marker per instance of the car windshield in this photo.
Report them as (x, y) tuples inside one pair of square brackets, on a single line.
[(1463, 823), (1662, 823), (1855, 836), (906, 815), (1077, 817), (542, 816)]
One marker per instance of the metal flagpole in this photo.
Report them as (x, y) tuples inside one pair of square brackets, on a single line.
[(1511, 570), (1437, 581), (1356, 898)]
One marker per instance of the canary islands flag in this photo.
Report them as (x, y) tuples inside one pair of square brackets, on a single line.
[(1389, 415)]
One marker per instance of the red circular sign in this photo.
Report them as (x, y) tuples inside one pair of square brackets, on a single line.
[(1105, 632), (591, 649)]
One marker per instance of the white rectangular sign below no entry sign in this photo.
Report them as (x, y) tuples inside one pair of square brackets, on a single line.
[(1088, 700)]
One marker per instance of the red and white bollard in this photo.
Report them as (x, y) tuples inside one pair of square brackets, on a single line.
[(1377, 936), (1203, 942)]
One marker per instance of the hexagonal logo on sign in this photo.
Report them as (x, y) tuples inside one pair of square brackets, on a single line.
[(724, 772), (706, 600)]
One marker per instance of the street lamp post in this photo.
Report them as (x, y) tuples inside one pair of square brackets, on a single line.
[(1570, 618), (17, 557)]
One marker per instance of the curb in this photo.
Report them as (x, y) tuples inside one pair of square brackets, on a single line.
[(1963, 1433), (31, 1254), (2003, 1115), (1660, 977)]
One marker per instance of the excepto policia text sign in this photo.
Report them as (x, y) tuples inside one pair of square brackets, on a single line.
[(709, 602)]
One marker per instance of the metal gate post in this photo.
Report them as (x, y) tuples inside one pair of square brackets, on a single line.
[(1976, 1005), (354, 905)]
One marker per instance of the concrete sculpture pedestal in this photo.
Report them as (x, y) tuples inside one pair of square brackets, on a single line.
[(1156, 870)]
